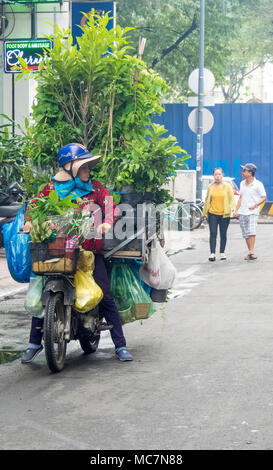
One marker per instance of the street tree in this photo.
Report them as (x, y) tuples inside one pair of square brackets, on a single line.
[(172, 31), (251, 49)]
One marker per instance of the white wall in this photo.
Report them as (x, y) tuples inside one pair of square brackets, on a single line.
[(184, 185)]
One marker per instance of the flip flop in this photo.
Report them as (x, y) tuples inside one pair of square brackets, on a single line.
[(252, 256)]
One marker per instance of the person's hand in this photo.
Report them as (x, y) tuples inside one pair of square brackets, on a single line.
[(235, 214), (251, 208), (27, 227), (203, 217), (103, 228)]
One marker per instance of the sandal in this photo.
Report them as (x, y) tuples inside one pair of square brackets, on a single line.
[(223, 256), (252, 256), (212, 257)]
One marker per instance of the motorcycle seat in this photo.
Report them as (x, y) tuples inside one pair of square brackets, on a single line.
[(9, 211)]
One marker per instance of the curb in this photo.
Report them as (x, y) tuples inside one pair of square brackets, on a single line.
[(267, 208)]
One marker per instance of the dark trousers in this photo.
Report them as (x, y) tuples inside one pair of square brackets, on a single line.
[(107, 308), (223, 222)]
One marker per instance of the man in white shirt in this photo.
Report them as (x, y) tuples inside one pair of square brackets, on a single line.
[(252, 195)]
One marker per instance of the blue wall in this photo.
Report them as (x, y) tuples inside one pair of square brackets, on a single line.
[(241, 133)]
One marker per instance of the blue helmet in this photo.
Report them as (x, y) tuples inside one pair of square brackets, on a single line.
[(72, 152)]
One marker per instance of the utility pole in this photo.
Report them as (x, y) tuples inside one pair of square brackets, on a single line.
[(199, 147)]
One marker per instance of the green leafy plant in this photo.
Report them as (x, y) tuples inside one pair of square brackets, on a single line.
[(152, 161), (13, 156), (40, 231), (99, 95), (50, 205)]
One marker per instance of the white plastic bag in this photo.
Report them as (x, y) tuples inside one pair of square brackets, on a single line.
[(159, 272), (33, 301)]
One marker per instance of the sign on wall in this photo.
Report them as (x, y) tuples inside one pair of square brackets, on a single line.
[(78, 19), (31, 50)]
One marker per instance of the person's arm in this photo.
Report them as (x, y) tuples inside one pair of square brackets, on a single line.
[(109, 208), (232, 199), (235, 214), (263, 198), (206, 204)]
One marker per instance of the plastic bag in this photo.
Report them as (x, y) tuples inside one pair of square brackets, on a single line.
[(88, 293), (17, 249), (135, 266), (158, 272), (86, 261), (131, 299), (33, 301)]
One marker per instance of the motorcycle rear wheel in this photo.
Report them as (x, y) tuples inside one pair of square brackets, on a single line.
[(54, 324)]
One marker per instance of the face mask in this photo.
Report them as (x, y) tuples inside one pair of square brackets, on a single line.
[(74, 187)]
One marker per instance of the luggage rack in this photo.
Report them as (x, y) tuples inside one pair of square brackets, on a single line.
[(140, 255), (141, 239)]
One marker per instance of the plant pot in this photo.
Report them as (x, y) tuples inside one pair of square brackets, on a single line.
[(128, 196), (57, 248), (159, 295)]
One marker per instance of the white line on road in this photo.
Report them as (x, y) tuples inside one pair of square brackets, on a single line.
[(11, 293)]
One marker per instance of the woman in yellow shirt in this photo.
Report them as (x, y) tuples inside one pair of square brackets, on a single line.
[(217, 208)]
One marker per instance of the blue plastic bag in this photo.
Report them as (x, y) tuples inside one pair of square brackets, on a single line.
[(17, 249)]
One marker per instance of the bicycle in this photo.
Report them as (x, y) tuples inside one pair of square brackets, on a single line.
[(187, 215)]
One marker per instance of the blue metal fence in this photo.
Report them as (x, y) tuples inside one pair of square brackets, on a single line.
[(241, 133)]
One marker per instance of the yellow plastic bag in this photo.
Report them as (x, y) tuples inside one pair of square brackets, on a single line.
[(88, 293), (86, 261)]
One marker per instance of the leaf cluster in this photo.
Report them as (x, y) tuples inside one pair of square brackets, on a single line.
[(50, 205), (95, 93), (40, 231)]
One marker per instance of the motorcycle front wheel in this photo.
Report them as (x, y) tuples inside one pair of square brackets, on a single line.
[(54, 325)]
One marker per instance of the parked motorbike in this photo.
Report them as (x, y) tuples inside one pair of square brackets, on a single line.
[(10, 203)]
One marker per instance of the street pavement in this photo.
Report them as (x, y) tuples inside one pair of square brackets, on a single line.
[(8, 287), (201, 376)]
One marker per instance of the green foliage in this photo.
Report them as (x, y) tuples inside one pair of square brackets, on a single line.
[(50, 205), (150, 163), (40, 231), (248, 54), (12, 155), (238, 37), (103, 97), (171, 28), (17, 153)]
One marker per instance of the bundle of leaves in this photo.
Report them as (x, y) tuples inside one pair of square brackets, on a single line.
[(95, 93), (50, 205)]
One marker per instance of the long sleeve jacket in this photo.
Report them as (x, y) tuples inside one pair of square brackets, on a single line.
[(229, 201), (99, 198)]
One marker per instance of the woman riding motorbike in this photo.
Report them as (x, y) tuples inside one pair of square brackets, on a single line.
[(74, 179)]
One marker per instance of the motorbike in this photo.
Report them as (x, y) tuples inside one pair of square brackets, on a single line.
[(10, 203), (62, 323)]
